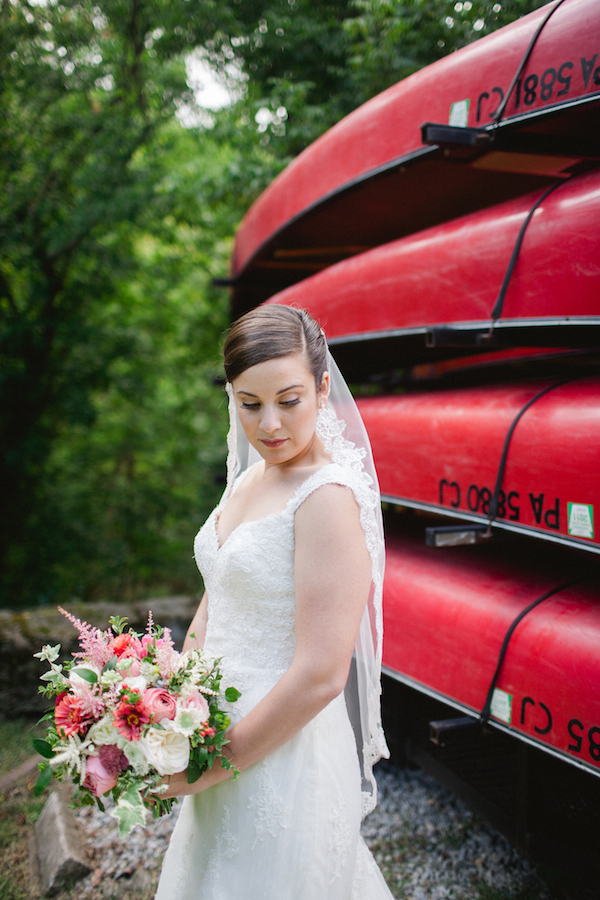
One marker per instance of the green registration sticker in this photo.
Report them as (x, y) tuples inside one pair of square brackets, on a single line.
[(581, 519), (459, 114), (501, 707)]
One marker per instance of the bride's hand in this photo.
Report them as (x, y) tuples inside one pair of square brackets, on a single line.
[(177, 785)]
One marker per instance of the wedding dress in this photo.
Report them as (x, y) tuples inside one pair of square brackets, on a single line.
[(288, 827)]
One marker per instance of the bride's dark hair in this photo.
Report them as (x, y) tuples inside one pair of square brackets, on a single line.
[(272, 331)]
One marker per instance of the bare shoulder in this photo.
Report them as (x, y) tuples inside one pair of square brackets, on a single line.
[(328, 506)]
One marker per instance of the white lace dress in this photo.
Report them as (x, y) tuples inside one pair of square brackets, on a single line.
[(288, 827)]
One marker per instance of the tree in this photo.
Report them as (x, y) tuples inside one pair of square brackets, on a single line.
[(86, 90)]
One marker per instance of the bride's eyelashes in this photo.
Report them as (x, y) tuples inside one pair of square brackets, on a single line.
[(286, 403)]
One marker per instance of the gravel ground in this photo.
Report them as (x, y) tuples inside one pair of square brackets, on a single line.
[(428, 845)]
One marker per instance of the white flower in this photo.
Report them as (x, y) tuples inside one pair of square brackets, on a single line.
[(149, 671), (136, 757), (73, 754), (104, 732), (186, 720), (138, 684), (165, 749)]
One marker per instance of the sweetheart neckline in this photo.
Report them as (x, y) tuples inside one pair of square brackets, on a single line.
[(278, 512)]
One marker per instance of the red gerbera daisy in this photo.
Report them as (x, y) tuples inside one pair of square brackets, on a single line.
[(130, 718), (69, 715)]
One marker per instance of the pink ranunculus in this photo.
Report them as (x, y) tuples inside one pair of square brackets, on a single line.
[(127, 645), (160, 704), (97, 778), (195, 699), (148, 641)]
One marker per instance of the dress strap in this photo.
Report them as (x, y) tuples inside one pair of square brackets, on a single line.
[(332, 473)]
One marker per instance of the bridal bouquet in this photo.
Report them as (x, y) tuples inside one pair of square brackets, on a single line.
[(129, 710)]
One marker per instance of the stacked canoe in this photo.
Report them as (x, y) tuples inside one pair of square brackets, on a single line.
[(446, 237)]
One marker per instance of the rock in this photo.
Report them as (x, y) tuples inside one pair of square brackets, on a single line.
[(61, 853)]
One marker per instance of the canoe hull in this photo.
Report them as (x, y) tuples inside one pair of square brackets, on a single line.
[(441, 450)]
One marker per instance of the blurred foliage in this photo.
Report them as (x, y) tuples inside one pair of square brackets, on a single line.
[(114, 219), (306, 64)]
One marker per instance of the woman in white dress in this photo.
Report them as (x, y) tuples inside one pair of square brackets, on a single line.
[(292, 560)]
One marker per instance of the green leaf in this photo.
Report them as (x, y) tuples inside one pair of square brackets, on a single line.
[(232, 694), (43, 781), (43, 748), (194, 771), (117, 623), (129, 811), (86, 674), (110, 665)]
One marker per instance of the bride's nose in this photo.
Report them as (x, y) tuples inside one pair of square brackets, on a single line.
[(270, 421)]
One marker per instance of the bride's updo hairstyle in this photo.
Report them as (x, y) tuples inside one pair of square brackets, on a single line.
[(269, 332)]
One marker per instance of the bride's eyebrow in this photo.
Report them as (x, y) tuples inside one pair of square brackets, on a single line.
[(282, 391)]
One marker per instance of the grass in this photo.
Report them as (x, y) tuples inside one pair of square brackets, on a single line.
[(15, 744), (19, 809)]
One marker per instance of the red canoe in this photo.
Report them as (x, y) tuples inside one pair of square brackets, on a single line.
[(370, 179), (441, 451), (446, 614), (386, 300)]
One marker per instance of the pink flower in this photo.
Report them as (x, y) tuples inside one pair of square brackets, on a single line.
[(97, 778), (134, 669), (113, 759), (195, 699), (150, 642), (130, 718), (69, 715), (160, 704), (127, 645)]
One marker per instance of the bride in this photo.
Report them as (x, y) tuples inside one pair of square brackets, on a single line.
[(292, 560)]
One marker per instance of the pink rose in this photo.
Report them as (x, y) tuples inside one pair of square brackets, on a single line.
[(97, 778), (195, 699), (160, 704), (134, 669)]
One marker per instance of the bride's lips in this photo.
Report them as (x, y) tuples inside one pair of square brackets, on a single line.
[(273, 444)]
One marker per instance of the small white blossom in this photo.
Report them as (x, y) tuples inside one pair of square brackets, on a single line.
[(187, 720)]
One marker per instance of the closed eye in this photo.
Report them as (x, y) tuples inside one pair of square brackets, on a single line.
[(290, 402), (250, 405)]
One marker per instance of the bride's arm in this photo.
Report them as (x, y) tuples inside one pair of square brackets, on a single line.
[(332, 575), (194, 638)]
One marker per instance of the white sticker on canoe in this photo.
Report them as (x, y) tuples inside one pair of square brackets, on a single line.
[(459, 114), (501, 705), (581, 519)]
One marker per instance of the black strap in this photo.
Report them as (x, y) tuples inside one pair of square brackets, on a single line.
[(485, 712), (494, 501), (497, 310), (502, 106)]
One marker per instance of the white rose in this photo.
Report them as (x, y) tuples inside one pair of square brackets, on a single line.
[(104, 732), (166, 750)]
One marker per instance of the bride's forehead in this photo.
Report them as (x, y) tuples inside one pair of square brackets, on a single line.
[(274, 375)]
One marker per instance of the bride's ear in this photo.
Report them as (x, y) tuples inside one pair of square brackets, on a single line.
[(324, 390)]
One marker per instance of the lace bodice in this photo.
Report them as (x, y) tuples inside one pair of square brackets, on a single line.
[(250, 586)]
